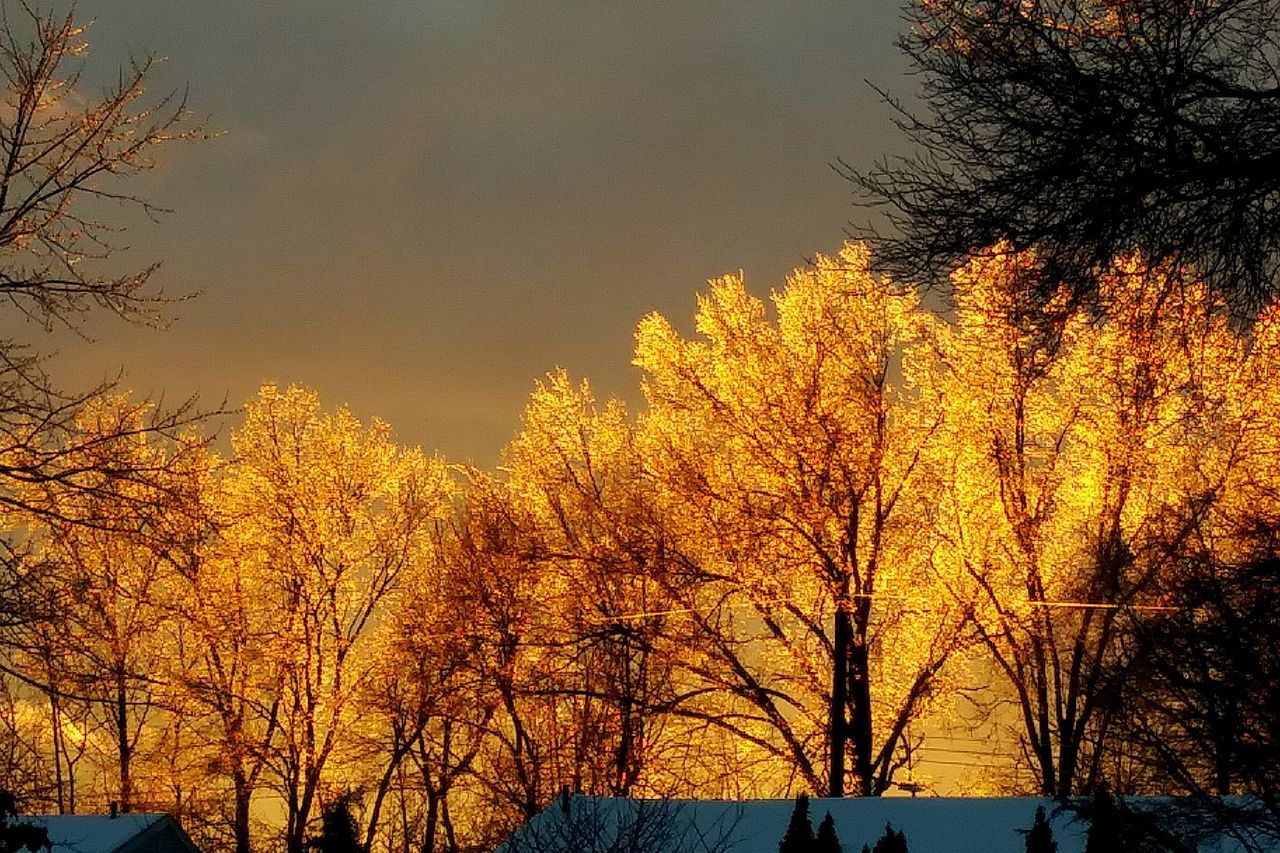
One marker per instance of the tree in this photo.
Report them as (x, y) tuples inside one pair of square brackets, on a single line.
[(1206, 683), (15, 835), (1088, 130), (826, 841), (108, 581), (577, 480), (1206, 680), (793, 460), (226, 681), (1076, 457), (601, 825), (339, 831), (799, 835), (1040, 835), (328, 517), (488, 552), (64, 157), (1105, 833), (432, 698), (893, 841), (99, 646), (23, 764)]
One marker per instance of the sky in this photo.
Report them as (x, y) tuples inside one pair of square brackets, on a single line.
[(419, 207)]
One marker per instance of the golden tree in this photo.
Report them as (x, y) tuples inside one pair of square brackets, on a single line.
[(560, 562), (434, 702), (226, 678), (1081, 446), (326, 516), (792, 458), (93, 634), (575, 475)]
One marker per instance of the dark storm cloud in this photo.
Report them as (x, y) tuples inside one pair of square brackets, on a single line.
[(420, 207)]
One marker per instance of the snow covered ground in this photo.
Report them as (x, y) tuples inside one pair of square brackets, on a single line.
[(931, 825)]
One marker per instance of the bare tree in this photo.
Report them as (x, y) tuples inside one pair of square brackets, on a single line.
[(1205, 686), (624, 826), (1087, 129), (66, 156)]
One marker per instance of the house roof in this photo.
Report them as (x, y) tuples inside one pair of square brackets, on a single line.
[(931, 825), (119, 834)]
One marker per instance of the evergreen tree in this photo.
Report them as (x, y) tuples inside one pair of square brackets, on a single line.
[(827, 841), (1104, 834), (1040, 835), (799, 835), (16, 836), (893, 841), (339, 832)]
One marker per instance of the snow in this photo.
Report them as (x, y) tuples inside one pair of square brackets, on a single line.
[(931, 825), (92, 833)]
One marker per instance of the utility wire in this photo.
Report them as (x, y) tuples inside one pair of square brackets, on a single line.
[(1065, 605)]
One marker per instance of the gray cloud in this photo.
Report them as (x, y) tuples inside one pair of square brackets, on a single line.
[(420, 207)]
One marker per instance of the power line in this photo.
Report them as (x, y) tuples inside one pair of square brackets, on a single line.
[(1055, 604)]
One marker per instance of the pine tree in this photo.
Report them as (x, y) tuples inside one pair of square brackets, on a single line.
[(799, 835), (16, 836), (893, 841), (827, 841), (1104, 834), (1040, 835), (339, 832)]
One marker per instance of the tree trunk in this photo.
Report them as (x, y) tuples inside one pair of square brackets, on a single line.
[(56, 720), (243, 796), (860, 702), (122, 742), (837, 731), (433, 819)]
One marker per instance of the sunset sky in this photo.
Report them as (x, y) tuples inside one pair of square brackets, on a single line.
[(419, 207)]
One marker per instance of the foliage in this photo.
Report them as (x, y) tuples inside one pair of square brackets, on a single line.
[(851, 499), (329, 517), (791, 460), (1076, 456)]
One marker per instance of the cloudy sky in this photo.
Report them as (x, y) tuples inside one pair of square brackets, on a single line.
[(419, 207)]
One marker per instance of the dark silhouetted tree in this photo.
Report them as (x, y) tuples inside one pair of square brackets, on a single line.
[(15, 835), (1040, 835), (1203, 689), (893, 841), (339, 831), (1105, 825), (799, 835), (1088, 129), (827, 841)]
